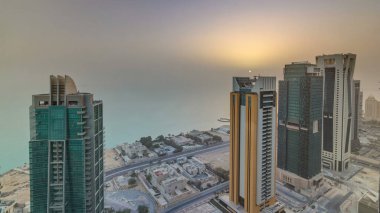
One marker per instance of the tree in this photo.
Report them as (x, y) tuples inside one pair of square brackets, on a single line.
[(147, 141), (132, 181), (143, 209), (217, 138), (119, 211), (178, 149), (160, 138), (222, 173), (134, 174), (124, 211), (149, 178)]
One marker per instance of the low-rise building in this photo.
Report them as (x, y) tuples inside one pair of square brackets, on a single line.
[(225, 129), (182, 160), (196, 171), (199, 136), (12, 207), (173, 186), (194, 133), (194, 167), (204, 138), (164, 150), (181, 140), (7, 206), (135, 150), (161, 173), (369, 204)]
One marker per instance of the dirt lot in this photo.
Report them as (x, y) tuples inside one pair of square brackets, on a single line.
[(218, 158), (112, 160), (15, 185), (367, 177)]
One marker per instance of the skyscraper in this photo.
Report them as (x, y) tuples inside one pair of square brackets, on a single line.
[(372, 109), (252, 142), (66, 150), (337, 72), (356, 116), (300, 126)]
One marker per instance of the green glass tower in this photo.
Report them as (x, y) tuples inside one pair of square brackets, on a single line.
[(300, 125), (66, 150)]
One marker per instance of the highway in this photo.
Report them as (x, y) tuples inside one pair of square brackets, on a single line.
[(141, 165), (198, 197)]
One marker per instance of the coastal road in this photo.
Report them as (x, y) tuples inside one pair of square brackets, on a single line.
[(197, 198), (141, 165)]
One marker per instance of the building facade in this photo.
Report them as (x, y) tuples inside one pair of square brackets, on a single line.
[(300, 126), (252, 142), (66, 150), (357, 107), (337, 73)]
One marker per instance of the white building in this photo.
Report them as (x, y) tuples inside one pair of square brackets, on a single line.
[(338, 70)]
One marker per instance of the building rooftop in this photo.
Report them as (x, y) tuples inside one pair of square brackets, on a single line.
[(255, 84)]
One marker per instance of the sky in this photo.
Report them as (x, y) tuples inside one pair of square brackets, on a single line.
[(166, 66)]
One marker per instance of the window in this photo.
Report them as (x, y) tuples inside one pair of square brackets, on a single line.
[(315, 126), (43, 103), (73, 103)]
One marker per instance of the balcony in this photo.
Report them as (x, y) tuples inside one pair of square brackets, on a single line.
[(81, 123), (81, 112), (81, 133)]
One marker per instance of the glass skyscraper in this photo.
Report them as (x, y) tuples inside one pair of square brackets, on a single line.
[(300, 125), (66, 150)]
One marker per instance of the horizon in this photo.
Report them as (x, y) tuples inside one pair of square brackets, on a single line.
[(166, 67)]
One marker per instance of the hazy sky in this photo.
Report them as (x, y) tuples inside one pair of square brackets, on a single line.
[(165, 66)]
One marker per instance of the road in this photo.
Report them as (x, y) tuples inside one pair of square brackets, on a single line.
[(141, 165), (290, 198), (197, 198)]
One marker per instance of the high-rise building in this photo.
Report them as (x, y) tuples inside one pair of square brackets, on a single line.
[(337, 73), (356, 115), (372, 109), (300, 126), (66, 150), (361, 111), (252, 142)]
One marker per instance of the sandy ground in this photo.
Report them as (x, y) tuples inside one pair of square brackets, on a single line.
[(218, 158), (112, 160), (15, 186), (367, 177), (204, 208)]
